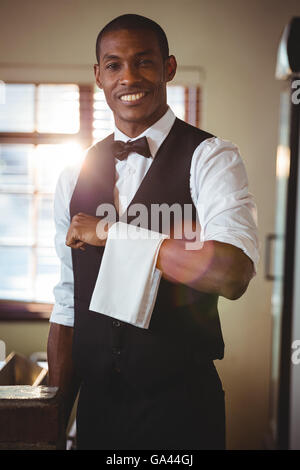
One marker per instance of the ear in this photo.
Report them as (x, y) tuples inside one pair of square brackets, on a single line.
[(97, 75), (170, 68)]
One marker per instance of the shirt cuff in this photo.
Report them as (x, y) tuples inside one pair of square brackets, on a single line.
[(128, 280), (62, 315)]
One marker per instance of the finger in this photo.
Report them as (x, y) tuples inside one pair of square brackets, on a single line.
[(70, 238), (74, 243), (77, 244), (70, 241)]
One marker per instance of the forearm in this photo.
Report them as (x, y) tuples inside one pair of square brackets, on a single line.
[(218, 268), (61, 370)]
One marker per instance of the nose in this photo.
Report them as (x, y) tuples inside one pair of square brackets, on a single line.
[(130, 75)]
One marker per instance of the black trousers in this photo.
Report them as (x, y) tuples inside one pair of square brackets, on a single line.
[(187, 414)]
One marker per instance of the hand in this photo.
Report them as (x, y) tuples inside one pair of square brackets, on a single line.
[(83, 230)]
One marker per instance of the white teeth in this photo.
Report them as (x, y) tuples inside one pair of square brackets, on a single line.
[(132, 97)]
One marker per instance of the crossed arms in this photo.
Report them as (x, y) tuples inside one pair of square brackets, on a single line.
[(217, 267)]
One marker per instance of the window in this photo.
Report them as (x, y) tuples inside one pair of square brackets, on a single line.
[(43, 128)]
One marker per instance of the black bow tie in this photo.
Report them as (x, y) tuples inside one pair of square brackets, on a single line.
[(122, 149)]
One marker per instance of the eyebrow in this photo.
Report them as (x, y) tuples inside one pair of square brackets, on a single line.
[(138, 54)]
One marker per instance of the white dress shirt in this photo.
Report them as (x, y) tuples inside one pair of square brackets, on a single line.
[(219, 186)]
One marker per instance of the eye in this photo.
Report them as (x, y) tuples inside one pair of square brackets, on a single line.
[(112, 66), (145, 62)]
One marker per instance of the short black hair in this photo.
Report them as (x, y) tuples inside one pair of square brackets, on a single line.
[(135, 22)]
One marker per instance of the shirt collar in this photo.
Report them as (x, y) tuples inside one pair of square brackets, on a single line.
[(155, 134)]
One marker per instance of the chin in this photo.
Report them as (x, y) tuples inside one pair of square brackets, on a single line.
[(133, 117)]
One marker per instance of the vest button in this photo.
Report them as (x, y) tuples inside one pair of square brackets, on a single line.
[(116, 351), (116, 323)]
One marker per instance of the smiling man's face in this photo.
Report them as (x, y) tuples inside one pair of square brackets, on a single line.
[(133, 76)]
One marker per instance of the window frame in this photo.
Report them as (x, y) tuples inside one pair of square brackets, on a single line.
[(18, 310)]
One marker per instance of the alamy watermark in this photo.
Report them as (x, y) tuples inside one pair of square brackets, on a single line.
[(175, 221), (295, 358), (296, 93)]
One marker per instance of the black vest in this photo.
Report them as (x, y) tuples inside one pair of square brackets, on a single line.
[(184, 329)]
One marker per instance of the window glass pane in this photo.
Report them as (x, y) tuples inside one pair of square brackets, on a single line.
[(46, 227), (47, 274), (50, 160), (103, 122), (16, 167), (28, 274), (15, 273), (17, 111), (16, 224), (58, 109), (176, 101)]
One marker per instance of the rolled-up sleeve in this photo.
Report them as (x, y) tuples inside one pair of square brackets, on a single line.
[(63, 309), (226, 209)]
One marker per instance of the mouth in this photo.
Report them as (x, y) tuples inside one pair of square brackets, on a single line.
[(132, 97)]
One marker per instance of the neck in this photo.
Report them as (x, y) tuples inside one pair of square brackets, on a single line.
[(134, 128)]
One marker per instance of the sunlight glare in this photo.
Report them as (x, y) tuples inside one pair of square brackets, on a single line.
[(51, 160)]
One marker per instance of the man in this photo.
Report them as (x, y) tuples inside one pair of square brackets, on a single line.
[(141, 313)]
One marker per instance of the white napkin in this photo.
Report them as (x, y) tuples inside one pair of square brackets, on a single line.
[(128, 280)]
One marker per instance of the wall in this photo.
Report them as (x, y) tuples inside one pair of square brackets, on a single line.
[(235, 43)]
